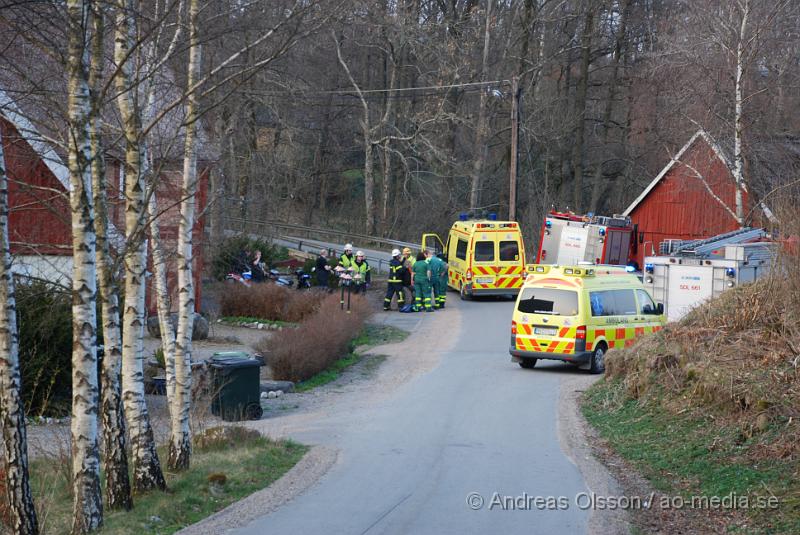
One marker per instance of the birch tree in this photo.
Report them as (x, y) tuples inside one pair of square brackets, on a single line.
[(147, 473), (12, 411), (180, 445), (115, 456), (87, 501)]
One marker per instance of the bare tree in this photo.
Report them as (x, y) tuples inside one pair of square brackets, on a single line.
[(115, 455), (12, 411), (88, 504), (180, 446), (147, 473)]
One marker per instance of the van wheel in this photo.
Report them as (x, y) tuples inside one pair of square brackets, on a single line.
[(528, 363), (598, 364), (464, 295)]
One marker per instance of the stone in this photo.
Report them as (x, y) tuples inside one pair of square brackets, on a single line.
[(274, 386), (199, 330)]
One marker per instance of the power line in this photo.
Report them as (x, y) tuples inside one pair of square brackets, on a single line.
[(371, 91)]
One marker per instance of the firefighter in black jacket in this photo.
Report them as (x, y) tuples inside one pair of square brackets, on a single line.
[(396, 268)]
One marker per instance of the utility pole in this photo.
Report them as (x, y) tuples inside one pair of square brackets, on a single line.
[(514, 165)]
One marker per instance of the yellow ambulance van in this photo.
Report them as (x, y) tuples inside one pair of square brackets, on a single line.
[(577, 313), (484, 256)]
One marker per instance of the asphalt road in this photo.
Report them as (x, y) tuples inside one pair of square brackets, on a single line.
[(475, 423)]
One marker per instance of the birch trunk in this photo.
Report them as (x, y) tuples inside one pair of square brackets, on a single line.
[(115, 456), (180, 444), (369, 181), (147, 472), (87, 501), (22, 515), (738, 157), (162, 299), (481, 133)]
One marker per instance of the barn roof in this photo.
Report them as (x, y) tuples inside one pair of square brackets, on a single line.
[(47, 153), (718, 152), (33, 137)]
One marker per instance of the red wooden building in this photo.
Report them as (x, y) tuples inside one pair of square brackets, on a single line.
[(39, 218), (692, 197)]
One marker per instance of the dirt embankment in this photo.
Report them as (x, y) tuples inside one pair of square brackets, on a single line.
[(710, 407)]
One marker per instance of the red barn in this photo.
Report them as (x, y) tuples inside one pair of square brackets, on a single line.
[(692, 197), (40, 232)]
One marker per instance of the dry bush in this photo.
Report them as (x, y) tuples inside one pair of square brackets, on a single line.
[(736, 357), (269, 302), (324, 337)]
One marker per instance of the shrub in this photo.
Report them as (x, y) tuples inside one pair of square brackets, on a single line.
[(44, 318), (269, 302), (324, 337), (225, 260)]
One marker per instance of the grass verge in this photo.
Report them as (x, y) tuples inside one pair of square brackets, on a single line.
[(371, 335), (219, 475), (695, 454)]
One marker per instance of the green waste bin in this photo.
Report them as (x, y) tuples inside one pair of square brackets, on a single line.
[(236, 386)]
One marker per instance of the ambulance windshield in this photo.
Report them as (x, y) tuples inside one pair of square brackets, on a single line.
[(548, 301)]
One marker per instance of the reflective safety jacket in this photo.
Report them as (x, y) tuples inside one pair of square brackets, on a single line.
[(396, 268), (347, 261), (362, 271)]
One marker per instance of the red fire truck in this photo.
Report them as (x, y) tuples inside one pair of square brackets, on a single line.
[(569, 239)]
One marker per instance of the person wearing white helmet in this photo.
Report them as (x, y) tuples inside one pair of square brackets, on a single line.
[(346, 260), (361, 273), (395, 282)]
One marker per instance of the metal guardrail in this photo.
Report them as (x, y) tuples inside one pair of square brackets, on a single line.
[(347, 236), (380, 265)]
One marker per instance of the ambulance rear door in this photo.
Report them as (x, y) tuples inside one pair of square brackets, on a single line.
[(510, 256)]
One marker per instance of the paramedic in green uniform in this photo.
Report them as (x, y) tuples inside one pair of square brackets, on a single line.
[(422, 283), (438, 280)]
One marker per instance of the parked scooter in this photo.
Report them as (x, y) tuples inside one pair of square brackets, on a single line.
[(242, 278), (275, 276), (303, 279)]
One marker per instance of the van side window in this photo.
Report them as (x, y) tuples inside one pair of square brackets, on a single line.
[(624, 303), (613, 303), (509, 251), (646, 305), (602, 303), (461, 249), (484, 251)]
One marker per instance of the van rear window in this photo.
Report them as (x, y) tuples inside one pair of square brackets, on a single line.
[(509, 251), (548, 301), (484, 251)]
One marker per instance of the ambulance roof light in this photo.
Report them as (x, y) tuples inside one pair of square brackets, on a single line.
[(463, 216), (492, 216)]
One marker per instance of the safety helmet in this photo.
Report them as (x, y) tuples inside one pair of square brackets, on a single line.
[(348, 247), (359, 253), (395, 252), (406, 250)]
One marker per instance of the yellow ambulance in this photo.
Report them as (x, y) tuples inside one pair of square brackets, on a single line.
[(577, 313), (484, 256)]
